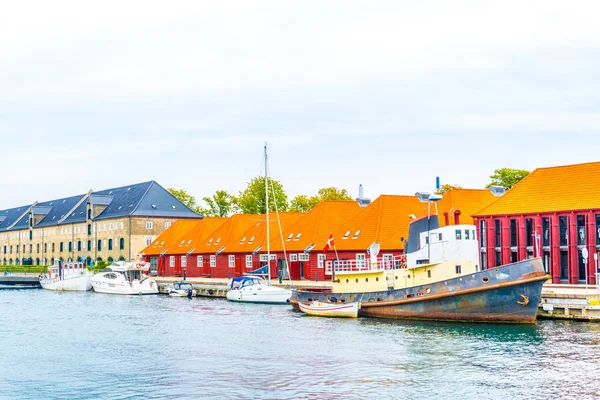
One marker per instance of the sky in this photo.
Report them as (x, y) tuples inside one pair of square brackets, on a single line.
[(387, 94)]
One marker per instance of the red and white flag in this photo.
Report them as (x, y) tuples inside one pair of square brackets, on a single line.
[(329, 244)]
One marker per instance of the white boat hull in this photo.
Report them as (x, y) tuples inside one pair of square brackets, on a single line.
[(74, 282), (349, 310), (180, 293), (260, 294), (147, 286)]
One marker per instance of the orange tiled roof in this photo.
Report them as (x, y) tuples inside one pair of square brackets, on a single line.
[(315, 227), (384, 221), (552, 189), (185, 241), (255, 236), (467, 201), (231, 229), (166, 239)]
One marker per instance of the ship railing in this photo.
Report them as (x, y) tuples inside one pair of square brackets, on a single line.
[(369, 264)]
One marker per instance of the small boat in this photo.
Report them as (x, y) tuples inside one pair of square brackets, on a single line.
[(181, 289), (316, 308), (125, 278), (71, 276), (254, 289)]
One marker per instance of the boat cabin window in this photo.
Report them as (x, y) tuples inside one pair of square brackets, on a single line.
[(426, 239), (458, 234), (440, 237), (467, 235), (110, 276)]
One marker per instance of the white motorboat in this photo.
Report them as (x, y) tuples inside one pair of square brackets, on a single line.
[(181, 289), (253, 289), (71, 276), (319, 309), (125, 278)]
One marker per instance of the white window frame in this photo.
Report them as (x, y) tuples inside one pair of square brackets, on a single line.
[(303, 257), (249, 261), (172, 261), (361, 260), (213, 261), (149, 224), (200, 261), (148, 241), (273, 256), (264, 257), (321, 260), (184, 261), (293, 257), (231, 261)]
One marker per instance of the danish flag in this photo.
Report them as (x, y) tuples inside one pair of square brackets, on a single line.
[(329, 244)]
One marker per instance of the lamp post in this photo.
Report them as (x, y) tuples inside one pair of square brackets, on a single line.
[(585, 254)]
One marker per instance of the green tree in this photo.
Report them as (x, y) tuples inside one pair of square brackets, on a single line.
[(185, 198), (252, 200), (507, 177), (445, 187), (303, 203), (221, 204)]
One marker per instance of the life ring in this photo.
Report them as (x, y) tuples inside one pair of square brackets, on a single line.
[(403, 262)]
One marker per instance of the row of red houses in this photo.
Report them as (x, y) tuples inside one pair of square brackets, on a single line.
[(553, 213), (228, 247)]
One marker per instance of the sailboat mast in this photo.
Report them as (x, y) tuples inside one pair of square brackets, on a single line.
[(267, 216)]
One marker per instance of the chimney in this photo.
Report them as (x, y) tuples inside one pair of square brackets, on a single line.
[(362, 201)]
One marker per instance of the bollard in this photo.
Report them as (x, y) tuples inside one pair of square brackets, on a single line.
[(317, 276), (184, 274)]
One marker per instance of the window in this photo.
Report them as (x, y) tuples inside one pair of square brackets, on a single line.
[(264, 257), (99, 245), (293, 257), (79, 245), (360, 260), (213, 261), (497, 234), (498, 258), (356, 234), (249, 261), (61, 246), (467, 236), (529, 232), (297, 236), (563, 226), (184, 261), (458, 233), (513, 233), (581, 234), (546, 231), (289, 237), (303, 257), (89, 245), (346, 235), (148, 224), (321, 260), (122, 225), (457, 267), (200, 261), (122, 244), (440, 237), (148, 241), (231, 261), (171, 261), (110, 242), (167, 224)]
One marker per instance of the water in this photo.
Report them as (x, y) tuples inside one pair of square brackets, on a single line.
[(94, 346)]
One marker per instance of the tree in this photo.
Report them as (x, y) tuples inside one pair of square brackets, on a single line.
[(507, 177), (185, 198), (445, 187), (252, 199), (303, 203), (221, 204)]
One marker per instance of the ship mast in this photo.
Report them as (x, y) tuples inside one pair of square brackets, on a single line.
[(267, 217)]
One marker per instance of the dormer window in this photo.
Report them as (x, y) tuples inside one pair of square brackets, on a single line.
[(346, 235), (356, 234), (218, 240), (210, 241), (243, 240), (181, 244), (297, 236), (290, 237), (189, 241), (251, 240)]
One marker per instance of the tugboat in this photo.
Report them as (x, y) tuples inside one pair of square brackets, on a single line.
[(71, 276), (438, 278)]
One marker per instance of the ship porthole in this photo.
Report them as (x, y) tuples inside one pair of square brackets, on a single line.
[(347, 281), (428, 290), (376, 279), (356, 280), (485, 279), (366, 279)]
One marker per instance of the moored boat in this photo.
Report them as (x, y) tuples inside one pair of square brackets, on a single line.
[(125, 278), (316, 308), (181, 289), (254, 289), (437, 279), (71, 276)]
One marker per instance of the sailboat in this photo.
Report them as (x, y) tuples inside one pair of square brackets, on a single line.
[(255, 288)]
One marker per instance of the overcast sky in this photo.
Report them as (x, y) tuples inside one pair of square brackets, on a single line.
[(387, 94)]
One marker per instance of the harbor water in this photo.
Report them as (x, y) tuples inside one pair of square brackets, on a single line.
[(93, 346)]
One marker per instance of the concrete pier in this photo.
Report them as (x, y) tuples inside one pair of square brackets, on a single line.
[(19, 279)]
